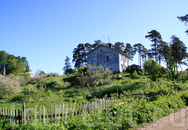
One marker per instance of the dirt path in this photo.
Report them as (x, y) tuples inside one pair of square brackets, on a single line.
[(175, 121)]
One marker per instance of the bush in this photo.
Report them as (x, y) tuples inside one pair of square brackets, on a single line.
[(162, 70), (134, 75), (82, 69), (95, 76), (70, 71), (173, 74), (152, 68), (132, 68), (9, 84), (24, 78), (59, 84)]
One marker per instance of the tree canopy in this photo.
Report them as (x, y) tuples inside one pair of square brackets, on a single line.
[(67, 65), (11, 64), (185, 20)]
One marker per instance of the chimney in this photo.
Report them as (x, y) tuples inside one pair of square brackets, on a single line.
[(110, 45)]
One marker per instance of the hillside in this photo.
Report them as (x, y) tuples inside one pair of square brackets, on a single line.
[(142, 100)]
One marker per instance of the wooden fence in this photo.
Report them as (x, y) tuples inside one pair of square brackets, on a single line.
[(54, 114)]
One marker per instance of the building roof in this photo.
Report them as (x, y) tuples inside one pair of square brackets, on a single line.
[(108, 48)]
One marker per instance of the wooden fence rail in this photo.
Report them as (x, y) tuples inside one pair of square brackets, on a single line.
[(54, 114)]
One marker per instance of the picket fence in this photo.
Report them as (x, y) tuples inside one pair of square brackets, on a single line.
[(56, 113)]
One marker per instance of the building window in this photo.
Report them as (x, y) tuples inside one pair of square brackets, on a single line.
[(108, 58), (94, 59), (100, 50)]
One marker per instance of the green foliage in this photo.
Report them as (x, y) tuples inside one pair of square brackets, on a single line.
[(138, 101), (42, 73), (96, 76), (67, 65), (60, 84), (153, 69), (9, 85), (12, 64), (71, 71), (24, 78), (184, 19), (82, 69), (134, 75), (172, 67)]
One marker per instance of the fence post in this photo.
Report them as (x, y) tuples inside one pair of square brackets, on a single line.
[(62, 112), (10, 114), (43, 114), (69, 110), (47, 115), (66, 112), (76, 109), (27, 116), (55, 114), (24, 120), (13, 112), (59, 112), (31, 113), (51, 113), (35, 113), (73, 109), (39, 113)]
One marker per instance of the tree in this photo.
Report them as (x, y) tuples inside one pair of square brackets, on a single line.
[(139, 48), (165, 52), (144, 54), (155, 37), (184, 19), (178, 50), (79, 54), (160, 50), (129, 50), (3, 61), (26, 65), (67, 65), (119, 46), (96, 44), (12, 64)]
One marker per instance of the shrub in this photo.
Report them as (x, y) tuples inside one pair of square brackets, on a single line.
[(24, 78), (98, 75), (9, 84), (82, 69), (60, 84), (70, 71), (152, 68), (132, 68), (95, 76), (173, 74), (134, 75), (162, 70), (52, 75)]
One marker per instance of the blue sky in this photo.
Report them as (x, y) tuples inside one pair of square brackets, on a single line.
[(47, 31)]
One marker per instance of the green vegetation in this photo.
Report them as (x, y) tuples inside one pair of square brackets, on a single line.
[(142, 100), (10, 64)]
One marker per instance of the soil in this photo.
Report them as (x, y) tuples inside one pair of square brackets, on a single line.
[(175, 121)]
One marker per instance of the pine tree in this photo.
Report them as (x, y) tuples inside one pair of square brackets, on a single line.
[(184, 19), (67, 65), (155, 37), (178, 50)]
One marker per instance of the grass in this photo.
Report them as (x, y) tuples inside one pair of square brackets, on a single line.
[(140, 96)]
